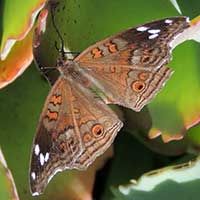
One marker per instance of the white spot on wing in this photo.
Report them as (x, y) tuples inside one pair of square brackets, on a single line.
[(33, 175), (46, 157), (154, 31), (168, 21), (142, 28), (188, 20), (153, 36), (35, 194), (41, 159), (37, 149)]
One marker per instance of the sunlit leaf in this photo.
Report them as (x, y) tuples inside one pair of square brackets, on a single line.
[(17, 20), (174, 2), (7, 186), (17, 61), (180, 182)]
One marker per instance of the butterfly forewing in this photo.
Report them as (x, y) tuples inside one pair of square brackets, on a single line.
[(142, 40), (70, 124), (130, 67), (132, 88)]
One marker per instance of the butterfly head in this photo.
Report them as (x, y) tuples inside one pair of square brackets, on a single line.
[(61, 61), (62, 64)]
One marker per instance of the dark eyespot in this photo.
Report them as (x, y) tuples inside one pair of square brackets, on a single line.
[(138, 86), (97, 130)]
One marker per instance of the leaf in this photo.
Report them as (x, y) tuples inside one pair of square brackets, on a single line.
[(7, 186), (17, 20), (131, 160), (180, 113), (17, 61), (189, 8), (19, 33), (140, 127), (180, 181), (174, 2)]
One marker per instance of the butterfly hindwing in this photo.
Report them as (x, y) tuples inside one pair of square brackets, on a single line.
[(70, 123), (54, 121)]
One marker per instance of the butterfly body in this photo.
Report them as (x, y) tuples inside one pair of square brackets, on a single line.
[(76, 125)]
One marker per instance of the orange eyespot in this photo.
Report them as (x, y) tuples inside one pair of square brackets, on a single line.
[(138, 86), (87, 137), (97, 130), (143, 76)]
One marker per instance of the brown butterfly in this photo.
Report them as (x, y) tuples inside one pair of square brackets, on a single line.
[(76, 125)]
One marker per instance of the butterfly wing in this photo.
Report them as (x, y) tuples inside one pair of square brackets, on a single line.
[(130, 67), (131, 47), (71, 120)]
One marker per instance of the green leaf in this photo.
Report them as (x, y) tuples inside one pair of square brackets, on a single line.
[(21, 103), (174, 2), (7, 186), (190, 8), (17, 18), (179, 182), (179, 100), (13, 67)]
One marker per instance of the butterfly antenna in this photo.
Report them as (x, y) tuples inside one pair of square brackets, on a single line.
[(62, 50), (59, 35)]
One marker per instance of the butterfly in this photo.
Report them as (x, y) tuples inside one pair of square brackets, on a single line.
[(76, 125)]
